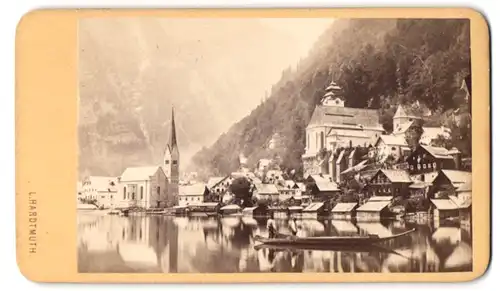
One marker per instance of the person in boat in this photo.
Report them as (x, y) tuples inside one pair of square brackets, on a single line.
[(293, 226), (271, 226)]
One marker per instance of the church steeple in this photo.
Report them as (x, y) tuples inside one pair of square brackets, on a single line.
[(173, 136), (171, 159)]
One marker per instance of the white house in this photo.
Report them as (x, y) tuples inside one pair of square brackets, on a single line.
[(145, 187), (192, 194), (101, 189)]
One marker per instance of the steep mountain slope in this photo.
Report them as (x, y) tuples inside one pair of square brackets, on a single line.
[(132, 71), (370, 59)]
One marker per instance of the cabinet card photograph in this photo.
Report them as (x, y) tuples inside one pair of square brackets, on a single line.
[(277, 145)]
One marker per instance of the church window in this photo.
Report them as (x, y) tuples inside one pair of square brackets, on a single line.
[(167, 162), (142, 192)]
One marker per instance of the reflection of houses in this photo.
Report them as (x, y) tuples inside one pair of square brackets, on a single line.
[(344, 210), (101, 189), (389, 183), (425, 162), (144, 187), (192, 194), (332, 126), (375, 208)]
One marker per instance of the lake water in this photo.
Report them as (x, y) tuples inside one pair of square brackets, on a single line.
[(164, 244)]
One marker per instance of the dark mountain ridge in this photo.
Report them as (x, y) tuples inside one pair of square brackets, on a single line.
[(378, 64)]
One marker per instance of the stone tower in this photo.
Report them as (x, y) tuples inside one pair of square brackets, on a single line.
[(171, 161)]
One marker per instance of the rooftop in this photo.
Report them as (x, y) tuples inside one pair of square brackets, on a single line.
[(344, 116), (397, 176), (192, 190), (138, 173), (344, 207)]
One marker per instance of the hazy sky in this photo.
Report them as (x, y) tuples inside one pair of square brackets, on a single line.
[(214, 71)]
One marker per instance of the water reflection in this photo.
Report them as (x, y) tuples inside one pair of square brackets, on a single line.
[(163, 244)]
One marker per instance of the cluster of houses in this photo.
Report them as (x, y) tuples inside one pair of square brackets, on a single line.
[(148, 187), (347, 151)]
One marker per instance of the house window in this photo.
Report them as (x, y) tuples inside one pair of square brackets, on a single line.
[(425, 166), (124, 193), (133, 195), (411, 167), (167, 162), (174, 162), (393, 148), (158, 190), (142, 192), (422, 177)]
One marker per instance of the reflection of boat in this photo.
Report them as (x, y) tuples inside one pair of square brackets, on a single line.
[(284, 240), (337, 248)]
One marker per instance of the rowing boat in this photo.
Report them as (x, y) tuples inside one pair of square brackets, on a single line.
[(284, 240)]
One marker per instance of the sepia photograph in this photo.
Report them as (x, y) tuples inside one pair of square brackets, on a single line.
[(307, 145)]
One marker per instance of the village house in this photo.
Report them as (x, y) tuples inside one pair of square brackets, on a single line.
[(425, 162), (218, 185), (100, 189), (321, 188), (376, 208), (344, 210), (192, 194), (315, 210), (447, 182), (267, 192), (391, 146), (409, 115), (256, 211), (443, 208), (392, 183), (145, 187), (285, 193), (333, 125)]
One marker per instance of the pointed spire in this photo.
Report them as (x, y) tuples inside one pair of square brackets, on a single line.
[(173, 136)]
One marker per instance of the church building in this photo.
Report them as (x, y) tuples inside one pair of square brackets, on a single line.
[(154, 186), (333, 126)]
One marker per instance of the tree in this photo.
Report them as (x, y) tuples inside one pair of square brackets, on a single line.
[(241, 188)]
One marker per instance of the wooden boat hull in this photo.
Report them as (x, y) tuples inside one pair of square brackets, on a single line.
[(283, 240)]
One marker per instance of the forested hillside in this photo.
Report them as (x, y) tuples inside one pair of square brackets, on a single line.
[(370, 59)]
